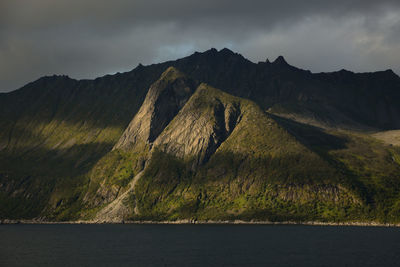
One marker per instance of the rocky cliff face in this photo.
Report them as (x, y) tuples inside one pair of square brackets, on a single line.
[(200, 127), (163, 101)]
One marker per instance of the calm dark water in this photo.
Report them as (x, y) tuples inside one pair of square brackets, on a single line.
[(198, 245)]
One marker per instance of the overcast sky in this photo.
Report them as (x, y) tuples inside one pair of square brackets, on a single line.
[(90, 38)]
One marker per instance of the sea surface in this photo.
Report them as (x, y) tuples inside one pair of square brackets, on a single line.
[(198, 245)]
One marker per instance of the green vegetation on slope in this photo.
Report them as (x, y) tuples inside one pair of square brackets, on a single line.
[(259, 172)]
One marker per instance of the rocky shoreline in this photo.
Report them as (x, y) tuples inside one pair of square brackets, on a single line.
[(310, 223)]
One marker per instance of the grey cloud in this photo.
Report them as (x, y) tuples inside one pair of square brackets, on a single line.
[(85, 39)]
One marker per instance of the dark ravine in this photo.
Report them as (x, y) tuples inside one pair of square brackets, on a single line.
[(210, 138)]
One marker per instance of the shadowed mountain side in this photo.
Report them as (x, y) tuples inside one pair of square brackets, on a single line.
[(107, 102), (311, 136), (32, 183), (367, 163), (369, 99)]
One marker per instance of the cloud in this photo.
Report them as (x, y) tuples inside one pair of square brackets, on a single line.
[(86, 39)]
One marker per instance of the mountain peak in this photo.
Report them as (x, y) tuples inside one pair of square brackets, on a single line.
[(280, 60), (171, 73), (391, 72), (211, 50), (226, 51)]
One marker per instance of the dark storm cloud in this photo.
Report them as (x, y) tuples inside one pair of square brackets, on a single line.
[(85, 39)]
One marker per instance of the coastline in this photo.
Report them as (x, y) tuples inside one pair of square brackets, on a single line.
[(234, 222)]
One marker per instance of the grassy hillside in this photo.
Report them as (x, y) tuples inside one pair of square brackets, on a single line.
[(54, 130), (259, 172)]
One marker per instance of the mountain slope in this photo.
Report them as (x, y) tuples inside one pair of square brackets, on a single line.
[(222, 157), (344, 98), (152, 143), (129, 155), (252, 169), (163, 101)]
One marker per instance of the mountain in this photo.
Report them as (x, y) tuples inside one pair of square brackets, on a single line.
[(211, 136)]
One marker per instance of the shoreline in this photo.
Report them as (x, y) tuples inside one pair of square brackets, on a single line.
[(208, 222)]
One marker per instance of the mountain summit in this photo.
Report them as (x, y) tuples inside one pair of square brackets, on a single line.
[(211, 136), (280, 60)]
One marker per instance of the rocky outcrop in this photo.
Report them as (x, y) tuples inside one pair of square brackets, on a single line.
[(200, 127), (163, 101), (187, 128)]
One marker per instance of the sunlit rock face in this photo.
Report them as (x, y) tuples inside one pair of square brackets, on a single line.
[(163, 101)]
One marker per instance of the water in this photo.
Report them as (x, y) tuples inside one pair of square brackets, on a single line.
[(198, 245)]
